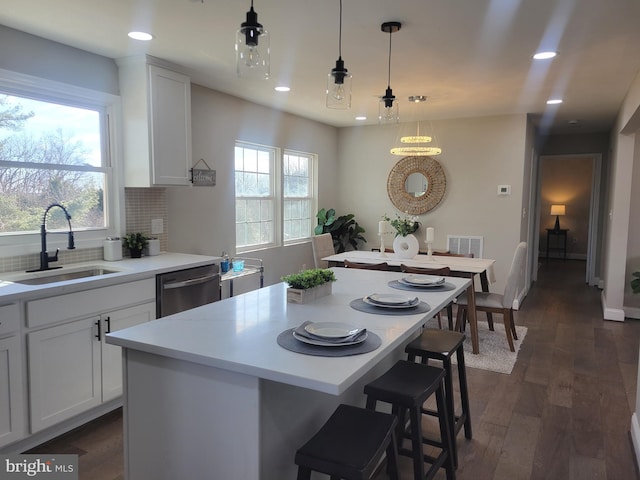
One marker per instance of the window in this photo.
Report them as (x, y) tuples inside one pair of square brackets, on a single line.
[(297, 195), (54, 149), (274, 196)]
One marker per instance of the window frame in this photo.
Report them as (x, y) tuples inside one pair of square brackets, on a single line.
[(36, 88), (277, 179)]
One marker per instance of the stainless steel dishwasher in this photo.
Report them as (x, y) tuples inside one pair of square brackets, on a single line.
[(182, 290)]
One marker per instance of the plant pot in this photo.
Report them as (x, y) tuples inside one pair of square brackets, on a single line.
[(406, 247), (296, 295), (135, 252)]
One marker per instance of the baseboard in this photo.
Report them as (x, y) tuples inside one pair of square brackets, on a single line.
[(614, 314), (635, 436), (632, 312)]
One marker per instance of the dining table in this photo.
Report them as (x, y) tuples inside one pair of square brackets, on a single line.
[(461, 266), (227, 390)]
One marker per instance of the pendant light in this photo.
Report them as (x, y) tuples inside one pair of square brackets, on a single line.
[(252, 48), (339, 79), (414, 144), (387, 111)]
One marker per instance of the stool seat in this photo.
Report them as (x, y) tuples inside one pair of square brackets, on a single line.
[(350, 445), (406, 386), (441, 345)]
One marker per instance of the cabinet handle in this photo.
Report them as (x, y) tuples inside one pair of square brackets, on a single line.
[(108, 320), (98, 325)]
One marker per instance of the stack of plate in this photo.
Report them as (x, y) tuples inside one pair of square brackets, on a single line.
[(422, 281), (330, 334), (390, 300)]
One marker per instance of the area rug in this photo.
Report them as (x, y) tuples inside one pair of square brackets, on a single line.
[(494, 353)]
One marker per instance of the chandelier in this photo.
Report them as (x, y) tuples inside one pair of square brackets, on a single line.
[(413, 142)]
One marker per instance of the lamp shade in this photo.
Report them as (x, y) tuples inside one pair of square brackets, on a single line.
[(557, 210)]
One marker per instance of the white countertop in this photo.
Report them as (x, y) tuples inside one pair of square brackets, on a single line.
[(128, 270), (239, 333)]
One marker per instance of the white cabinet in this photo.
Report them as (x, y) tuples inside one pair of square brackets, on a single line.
[(156, 110), (72, 369), (12, 426), (112, 354)]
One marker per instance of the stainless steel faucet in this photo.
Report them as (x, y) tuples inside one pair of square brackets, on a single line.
[(45, 258)]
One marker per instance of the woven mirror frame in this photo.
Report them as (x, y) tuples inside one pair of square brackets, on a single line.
[(407, 202)]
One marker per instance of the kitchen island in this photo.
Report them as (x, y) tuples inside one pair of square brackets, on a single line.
[(209, 393)]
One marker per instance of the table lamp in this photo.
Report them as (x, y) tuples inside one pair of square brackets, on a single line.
[(557, 210)]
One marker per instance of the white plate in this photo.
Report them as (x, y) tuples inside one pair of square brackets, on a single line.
[(331, 329), (424, 280), (390, 299), (321, 343), (384, 305), (417, 285)]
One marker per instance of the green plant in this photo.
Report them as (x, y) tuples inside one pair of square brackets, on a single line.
[(135, 241), (635, 283), (403, 225), (309, 278), (344, 230)]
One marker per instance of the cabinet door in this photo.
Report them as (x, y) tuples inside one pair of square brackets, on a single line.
[(11, 392), (64, 372), (170, 113), (112, 354)]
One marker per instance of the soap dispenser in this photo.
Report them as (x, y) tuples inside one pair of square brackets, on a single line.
[(224, 264)]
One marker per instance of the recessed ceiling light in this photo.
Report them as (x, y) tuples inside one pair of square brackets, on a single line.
[(361, 117), (544, 55), (144, 36), (554, 101), (282, 89)]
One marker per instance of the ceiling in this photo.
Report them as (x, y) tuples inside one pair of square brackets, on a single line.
[(470, 58)]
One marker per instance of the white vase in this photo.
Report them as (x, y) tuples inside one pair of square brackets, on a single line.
[(406, 247)]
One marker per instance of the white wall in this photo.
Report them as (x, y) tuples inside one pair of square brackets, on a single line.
[(478, 155), (202, 219)]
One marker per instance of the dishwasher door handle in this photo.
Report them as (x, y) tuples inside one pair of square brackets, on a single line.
[(192, 281)]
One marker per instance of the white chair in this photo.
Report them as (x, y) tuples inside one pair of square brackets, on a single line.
[(322, 247), (496, 303)]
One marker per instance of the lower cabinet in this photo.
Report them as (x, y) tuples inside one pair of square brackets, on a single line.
[(12, 426), (72, 369)]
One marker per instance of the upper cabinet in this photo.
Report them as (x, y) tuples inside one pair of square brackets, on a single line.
[(156, 110)]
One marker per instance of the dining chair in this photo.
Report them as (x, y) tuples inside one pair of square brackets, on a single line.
[(498, 303), (322, 246), (367, 266), (449, 254), (445, 272)]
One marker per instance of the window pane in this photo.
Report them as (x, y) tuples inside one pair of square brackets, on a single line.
[(61, 149)]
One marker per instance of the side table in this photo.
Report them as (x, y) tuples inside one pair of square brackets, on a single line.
[(561, 234)]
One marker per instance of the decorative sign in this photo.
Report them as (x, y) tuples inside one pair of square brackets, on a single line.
[(203, 178)]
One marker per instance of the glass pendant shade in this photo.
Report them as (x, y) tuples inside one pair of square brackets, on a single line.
[(252, 48), (388, 112), (339, 87)]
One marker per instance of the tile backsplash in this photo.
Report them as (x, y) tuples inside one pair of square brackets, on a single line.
[(141, 206)]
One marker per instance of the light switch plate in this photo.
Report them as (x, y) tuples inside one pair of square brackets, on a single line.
[(504, 189), (157, 226)]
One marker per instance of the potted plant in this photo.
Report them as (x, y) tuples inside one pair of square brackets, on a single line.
[(309, 284), (344, 230), (135, 242), (635, 283)]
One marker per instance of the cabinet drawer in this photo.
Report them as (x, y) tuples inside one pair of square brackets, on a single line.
[(9, 318), (89, 302)]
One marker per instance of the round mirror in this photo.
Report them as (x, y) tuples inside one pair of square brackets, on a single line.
[(416, 184)]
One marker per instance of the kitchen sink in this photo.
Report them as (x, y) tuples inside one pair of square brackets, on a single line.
[(42, 278)]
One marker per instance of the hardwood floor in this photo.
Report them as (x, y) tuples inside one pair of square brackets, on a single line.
[(563, 413)]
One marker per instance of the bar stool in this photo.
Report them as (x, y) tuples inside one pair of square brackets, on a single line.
[(406, 386), (440, 345), (350, 445)]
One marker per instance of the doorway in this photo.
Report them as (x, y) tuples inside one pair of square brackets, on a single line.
[(570, 183)]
